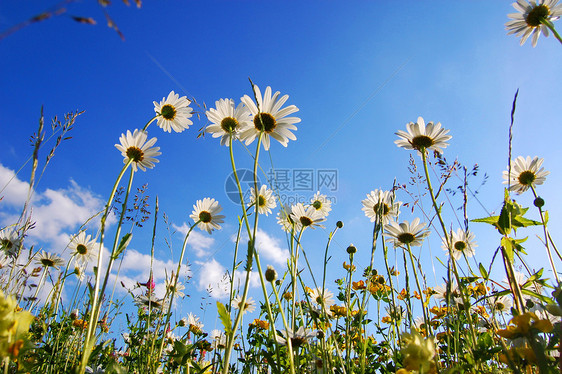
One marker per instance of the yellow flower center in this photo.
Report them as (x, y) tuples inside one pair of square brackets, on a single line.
[(135, 154), (384, 209), (205, 216), (81, 249), (168, 112), (317, 205), (526, 178), (536, 15), (422, 142), (265, 122), (305, 221), (460, 246), (229, 124), (405, 238), (47, 262), (261, 200)]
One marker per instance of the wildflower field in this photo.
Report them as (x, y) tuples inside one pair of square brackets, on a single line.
[(437, 282)]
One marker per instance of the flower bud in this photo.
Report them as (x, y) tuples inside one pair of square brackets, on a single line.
[(339, 224), (351, 249), (539, 202), (270, 274)]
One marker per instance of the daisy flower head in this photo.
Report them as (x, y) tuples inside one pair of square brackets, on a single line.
[(193, 322), (82, 247), (306, 217), (380, 203), (9, 241), (322, 297), (285, 220), (173, 112), (525, 173), (422, 137), (49, 260), (177, 289), (321, 204), (406, 233), (249, 306), (205, 212), (532, 17), (502, 304), (265, 199), (135, 147), (298, 338), (150, 301), (228, 120), (461, 242), (219, 339), (269, 118)]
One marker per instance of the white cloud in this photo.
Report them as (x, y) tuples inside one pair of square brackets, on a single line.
[(12, 189), (197, 240), (213, 278), (269, 248)]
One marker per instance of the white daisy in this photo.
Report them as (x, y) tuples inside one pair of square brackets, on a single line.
[(441, 292), (49, 260), (272, 120), (249, 306), (219, 339), (150, 301), (266, 199), (531, 18), (322, 297), (298, 337), (422, 137), (9, 240), (502, 304), (321, 204), (306, 217), (379, 204), (193, 322), (173, 113), (227, 121), (135, 147), (285, 220), (461, 242), (206, 213), (406, 233), (178, 289), (83, 248), (525, 173)]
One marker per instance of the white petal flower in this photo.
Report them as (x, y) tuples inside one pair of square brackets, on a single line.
[(178, 289), (502, 304), (266, 199), (206, 213), (82, 248), (227, 121), (306, 217), (406, 233), (461, 242), (173, 113), (49, 260), (525, 172), (321, 204), (322, 297), (529, 20), (298, 338), (285, 220), (9, 241), (272, 120), (249, 306), (423, 137), (379, 204), (135, 147)]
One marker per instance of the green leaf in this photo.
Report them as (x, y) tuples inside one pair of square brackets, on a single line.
[(224, 317), (492, 220), (546, 217), (504, 220), (483, 271), (520, 221), (544, 299), (125, 240)]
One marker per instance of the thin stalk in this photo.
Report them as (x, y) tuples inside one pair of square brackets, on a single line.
[(549, 24), (89, 343), (425, 317), (288, 339), (168, 313), (550, 259)]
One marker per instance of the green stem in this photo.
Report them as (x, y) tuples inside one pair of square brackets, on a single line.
[(90, 340), (287, 337), (425, 317), (549, 24), (548, 252), (150, 121)]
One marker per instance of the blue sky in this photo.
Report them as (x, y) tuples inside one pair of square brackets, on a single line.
[(358, 73)]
